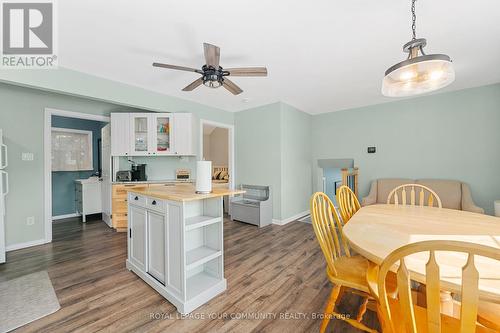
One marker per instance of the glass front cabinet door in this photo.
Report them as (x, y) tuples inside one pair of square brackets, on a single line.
[(140, 137), (161, 139)]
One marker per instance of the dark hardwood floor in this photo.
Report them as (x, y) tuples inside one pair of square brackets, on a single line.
[(276, 274)]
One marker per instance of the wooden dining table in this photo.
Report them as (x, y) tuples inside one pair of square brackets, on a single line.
[(377, 230)]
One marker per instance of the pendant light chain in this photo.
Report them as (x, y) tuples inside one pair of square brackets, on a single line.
[(414, 19)]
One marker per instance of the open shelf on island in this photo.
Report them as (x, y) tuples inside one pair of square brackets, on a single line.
[(199, 283), (201, 221), (200, 255)]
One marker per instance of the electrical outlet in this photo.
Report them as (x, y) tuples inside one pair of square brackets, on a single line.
[(27, 156), (30, 220)]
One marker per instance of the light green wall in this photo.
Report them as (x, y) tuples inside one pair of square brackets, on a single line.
[(258, 150), (296, 178), (21, 118), (273, 148), (452, 135)]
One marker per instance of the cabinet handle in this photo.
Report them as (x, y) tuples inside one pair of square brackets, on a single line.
[(136, 198), (154, 202)]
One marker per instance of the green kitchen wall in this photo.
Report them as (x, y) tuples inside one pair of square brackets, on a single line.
[(453, 135), (273, 148), (22, 119)]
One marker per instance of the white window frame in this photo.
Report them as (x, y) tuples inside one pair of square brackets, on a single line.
[(91, 145)]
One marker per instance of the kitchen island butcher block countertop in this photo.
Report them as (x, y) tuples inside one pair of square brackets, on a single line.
[(182, 192), (175, 242)]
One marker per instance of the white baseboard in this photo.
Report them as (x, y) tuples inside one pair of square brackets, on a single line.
[(19, 246), (65, 216), (290, 219)]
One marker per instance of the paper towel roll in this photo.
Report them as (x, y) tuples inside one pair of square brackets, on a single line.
[(497, 208), (203, 176)]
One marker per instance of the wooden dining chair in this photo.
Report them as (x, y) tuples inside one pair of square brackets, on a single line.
[(402, 315), (348, 203), (347, 272), (406, 189)]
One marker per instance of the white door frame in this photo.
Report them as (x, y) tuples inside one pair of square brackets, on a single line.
[(230, 138), (47, 158)]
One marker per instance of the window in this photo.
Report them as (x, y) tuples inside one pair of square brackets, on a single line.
[(71, 150)]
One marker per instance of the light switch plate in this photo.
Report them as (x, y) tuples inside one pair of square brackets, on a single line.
[(27, 156)]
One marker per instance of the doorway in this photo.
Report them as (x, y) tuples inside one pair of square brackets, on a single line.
[(71, 152), (217, 145)]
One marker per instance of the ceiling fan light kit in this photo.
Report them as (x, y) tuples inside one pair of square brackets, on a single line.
[(419, 73), (213, 75)]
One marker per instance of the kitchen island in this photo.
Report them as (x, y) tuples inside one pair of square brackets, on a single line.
[(175, 242)]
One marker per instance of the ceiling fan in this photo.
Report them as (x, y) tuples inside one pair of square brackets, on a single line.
[(213, 75)]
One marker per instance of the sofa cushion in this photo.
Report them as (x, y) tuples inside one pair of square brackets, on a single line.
[(385, 186), (449, 191)]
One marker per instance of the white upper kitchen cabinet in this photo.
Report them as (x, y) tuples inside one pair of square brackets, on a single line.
[(184, 134), (161, 133), (153, 134), (120, 134), (140, 134)]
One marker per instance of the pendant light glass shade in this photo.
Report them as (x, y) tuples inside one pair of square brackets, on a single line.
[(418, 75)]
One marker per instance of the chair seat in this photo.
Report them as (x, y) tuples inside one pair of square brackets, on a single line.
[(352, 272), (448, 324)]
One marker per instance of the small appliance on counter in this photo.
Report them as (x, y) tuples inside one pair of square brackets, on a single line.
[(182, 174), (124, 176), (138, 172)]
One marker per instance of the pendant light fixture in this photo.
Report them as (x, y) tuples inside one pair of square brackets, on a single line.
[(419, 73)]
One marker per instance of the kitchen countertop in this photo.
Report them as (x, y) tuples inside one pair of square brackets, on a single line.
[(182, 192)]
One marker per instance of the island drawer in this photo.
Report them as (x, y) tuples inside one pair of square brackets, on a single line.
[(136, 199), (155, 204)]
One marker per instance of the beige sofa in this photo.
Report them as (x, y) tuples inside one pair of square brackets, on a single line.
[(453, 194)]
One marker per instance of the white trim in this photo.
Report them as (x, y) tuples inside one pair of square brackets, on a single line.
[(79, 115), (19, 246), (65, 216), (47, 160), (292, 218), (231, 145)]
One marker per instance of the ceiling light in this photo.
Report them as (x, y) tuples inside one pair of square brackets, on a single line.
[(419, 73)]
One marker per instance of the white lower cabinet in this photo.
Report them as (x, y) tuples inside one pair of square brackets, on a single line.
[(177, 248), (137, 236), (156, 245)]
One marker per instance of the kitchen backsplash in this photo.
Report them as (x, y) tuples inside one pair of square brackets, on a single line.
[(161, 167)]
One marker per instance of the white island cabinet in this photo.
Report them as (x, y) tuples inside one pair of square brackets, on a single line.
[(175, 242)]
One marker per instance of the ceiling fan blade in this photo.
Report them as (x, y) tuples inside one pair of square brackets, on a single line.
[(231, 86), (247, 71), (194, 84), (212, 55), (180, 68)]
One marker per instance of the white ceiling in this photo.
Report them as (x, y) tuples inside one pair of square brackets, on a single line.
[(322, 55)]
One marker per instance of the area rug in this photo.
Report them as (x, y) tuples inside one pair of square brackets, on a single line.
[(26, 299)]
